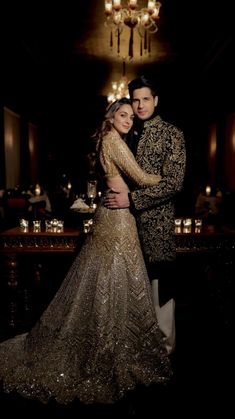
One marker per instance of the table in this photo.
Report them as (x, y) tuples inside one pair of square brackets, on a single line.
[(34, 263), (16, 240), (210, 238), (25, 258)]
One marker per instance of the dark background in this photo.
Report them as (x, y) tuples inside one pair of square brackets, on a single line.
[(52, 77)]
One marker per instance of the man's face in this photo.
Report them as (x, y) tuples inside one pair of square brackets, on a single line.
[(143, 103)]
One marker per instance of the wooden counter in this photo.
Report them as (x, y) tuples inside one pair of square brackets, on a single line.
[(33, 264), (209, 239), (15, 240)]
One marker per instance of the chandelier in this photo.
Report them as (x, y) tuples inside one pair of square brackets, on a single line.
[(144, 20), (119, 90)]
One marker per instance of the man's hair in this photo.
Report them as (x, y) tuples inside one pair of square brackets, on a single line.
[(140, 82)]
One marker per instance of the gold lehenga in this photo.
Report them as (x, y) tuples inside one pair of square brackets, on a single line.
[(99, 336)]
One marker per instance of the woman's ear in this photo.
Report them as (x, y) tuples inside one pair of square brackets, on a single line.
[(156, 100), (111, 120)]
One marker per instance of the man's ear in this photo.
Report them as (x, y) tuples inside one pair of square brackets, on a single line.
[(156, 100)]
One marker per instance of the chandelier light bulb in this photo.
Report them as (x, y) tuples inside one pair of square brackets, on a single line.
[(108, 8), (117, 4), (119, 90), (132, 4)]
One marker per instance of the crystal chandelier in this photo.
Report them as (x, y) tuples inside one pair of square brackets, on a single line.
[(119, 90), (144, 20)]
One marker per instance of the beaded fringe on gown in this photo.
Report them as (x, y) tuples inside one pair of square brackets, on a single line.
[(99, 336)]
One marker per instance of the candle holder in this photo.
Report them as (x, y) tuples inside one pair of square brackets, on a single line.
[(178, 225), (60, 226), (197, 225), (37, 225), (24, 224), (87, 225), (187, 225), (48, 225)]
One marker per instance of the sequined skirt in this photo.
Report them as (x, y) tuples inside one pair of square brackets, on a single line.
[(99, 337)]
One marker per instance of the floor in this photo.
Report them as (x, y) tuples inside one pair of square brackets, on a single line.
[(202, 365)]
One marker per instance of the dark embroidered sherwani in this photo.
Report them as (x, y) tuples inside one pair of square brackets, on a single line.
[(161, 150)]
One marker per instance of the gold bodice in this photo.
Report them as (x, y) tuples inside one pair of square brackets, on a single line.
[(117, 159)]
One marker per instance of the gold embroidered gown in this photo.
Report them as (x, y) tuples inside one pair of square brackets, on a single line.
[(99, 336)]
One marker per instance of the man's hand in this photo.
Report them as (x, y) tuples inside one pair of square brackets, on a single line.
[(115, 199)]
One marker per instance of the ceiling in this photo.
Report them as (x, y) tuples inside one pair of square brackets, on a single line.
[(57, 66), (72, 39), (59, 60)]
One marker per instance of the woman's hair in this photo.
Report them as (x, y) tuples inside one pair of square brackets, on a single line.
[(106, 125)]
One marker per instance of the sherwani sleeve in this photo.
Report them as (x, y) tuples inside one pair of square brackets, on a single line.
[(173, 171)]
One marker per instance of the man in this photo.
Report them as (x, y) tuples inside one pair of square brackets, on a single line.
[(159, 148)]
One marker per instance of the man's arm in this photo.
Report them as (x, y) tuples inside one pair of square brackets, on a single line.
[(116, 199), (173, 171)]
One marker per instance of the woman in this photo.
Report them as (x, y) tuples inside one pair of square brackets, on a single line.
[(99, 337)]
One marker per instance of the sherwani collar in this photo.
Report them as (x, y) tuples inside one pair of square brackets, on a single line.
[(156, 120)]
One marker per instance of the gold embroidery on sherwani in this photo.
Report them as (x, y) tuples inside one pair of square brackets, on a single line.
[(161, 149)]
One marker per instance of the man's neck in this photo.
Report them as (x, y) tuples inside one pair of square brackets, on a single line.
[(154, 114)]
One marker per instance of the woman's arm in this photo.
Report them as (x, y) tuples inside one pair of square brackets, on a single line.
[(116, 151)]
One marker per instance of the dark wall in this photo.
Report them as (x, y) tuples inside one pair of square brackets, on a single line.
[(59, 93)]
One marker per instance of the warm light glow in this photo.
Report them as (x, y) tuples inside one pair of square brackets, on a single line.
[(119, 90), (208, 190), (144, 20), (37, 190)]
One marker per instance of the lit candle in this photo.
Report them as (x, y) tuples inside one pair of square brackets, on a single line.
[(117, 18), (37, 190), (187, 225), (155, 13), (145, 18), (114, 85), (208, 190), (151, 5), (132, 4)]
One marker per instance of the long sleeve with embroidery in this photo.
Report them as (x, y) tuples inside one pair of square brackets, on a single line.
[(161, 148), (117, 159)]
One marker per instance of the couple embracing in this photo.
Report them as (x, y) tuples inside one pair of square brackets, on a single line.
[(103, 333)]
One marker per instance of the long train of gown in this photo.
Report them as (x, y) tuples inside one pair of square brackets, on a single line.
[(99, 336)]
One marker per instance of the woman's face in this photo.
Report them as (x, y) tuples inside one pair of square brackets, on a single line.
[(123, 119)]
